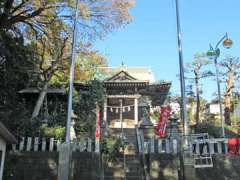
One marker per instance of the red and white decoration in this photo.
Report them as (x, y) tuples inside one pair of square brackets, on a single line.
[(162, 123)]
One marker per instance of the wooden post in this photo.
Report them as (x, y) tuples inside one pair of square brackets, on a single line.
[(82, 145), (43, 144), (211, 147), (74, 145), (14, 149), (29, 143), (226, 147), (160, 150), (36, 144), (136, 110), (197, 147), (51, 145), (175, 146), (146, 147), (21, 145), (219, 147), (191, 148), (205, 150), (152, 150), (58, 145), (167, 146), (139, 141), (89, 145)]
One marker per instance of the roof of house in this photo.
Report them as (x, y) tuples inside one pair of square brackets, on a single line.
[(7, 135)]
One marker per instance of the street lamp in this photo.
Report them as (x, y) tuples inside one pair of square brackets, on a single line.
[(213, 54)]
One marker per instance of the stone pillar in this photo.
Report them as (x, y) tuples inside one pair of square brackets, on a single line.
[(136, 110), (64, 160)]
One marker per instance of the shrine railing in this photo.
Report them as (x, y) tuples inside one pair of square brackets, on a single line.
[(161, 146), (37, 144), (197, 146)]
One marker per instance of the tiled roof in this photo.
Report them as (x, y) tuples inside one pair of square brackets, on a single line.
[(49, 91), (140, 73)]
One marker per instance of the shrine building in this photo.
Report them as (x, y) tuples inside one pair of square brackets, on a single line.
[(131, 92)]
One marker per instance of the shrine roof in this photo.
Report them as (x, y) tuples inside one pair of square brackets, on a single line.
[(123, 78), (138, 73), (34, 90)]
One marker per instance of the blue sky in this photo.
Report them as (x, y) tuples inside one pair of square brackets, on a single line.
[(150, 40)]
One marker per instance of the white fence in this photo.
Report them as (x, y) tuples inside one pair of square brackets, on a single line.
[(36, 144), (197, 146)]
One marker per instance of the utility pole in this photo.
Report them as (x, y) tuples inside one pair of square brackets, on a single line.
[(65, 154), (71, 81), (182, 79)]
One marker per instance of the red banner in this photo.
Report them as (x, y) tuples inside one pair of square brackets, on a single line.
[(162, 123), (98, 131)]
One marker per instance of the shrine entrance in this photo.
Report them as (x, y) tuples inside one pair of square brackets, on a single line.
[(122, 111)]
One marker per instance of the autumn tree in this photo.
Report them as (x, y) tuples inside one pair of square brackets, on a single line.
[(96, 19), (196, 69), (51, 56), (43, 29), (230, 71), (87, 65), (20, 15)]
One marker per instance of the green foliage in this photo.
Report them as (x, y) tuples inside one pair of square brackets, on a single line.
[(57, 131), (85, 108), (235, 119), (15, 62), (155, 115), (111, 147), (214, 129)]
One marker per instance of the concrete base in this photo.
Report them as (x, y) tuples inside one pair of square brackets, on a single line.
[(64, 162)]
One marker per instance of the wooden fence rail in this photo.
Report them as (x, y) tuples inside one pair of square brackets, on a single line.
[(37, 144)]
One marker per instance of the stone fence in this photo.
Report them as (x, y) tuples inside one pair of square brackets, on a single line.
[(161, 146), (36, 144), (197, 146)]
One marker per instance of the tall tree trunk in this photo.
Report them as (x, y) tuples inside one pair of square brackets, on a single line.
[(227, 100), (198, 101), (227, 112), (40, 100)]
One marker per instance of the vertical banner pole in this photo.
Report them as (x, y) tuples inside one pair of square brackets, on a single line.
[(98, 130)]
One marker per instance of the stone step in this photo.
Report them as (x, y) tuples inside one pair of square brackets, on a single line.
[(136, 173), (121, 178), (130, 160), (129, 170)]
